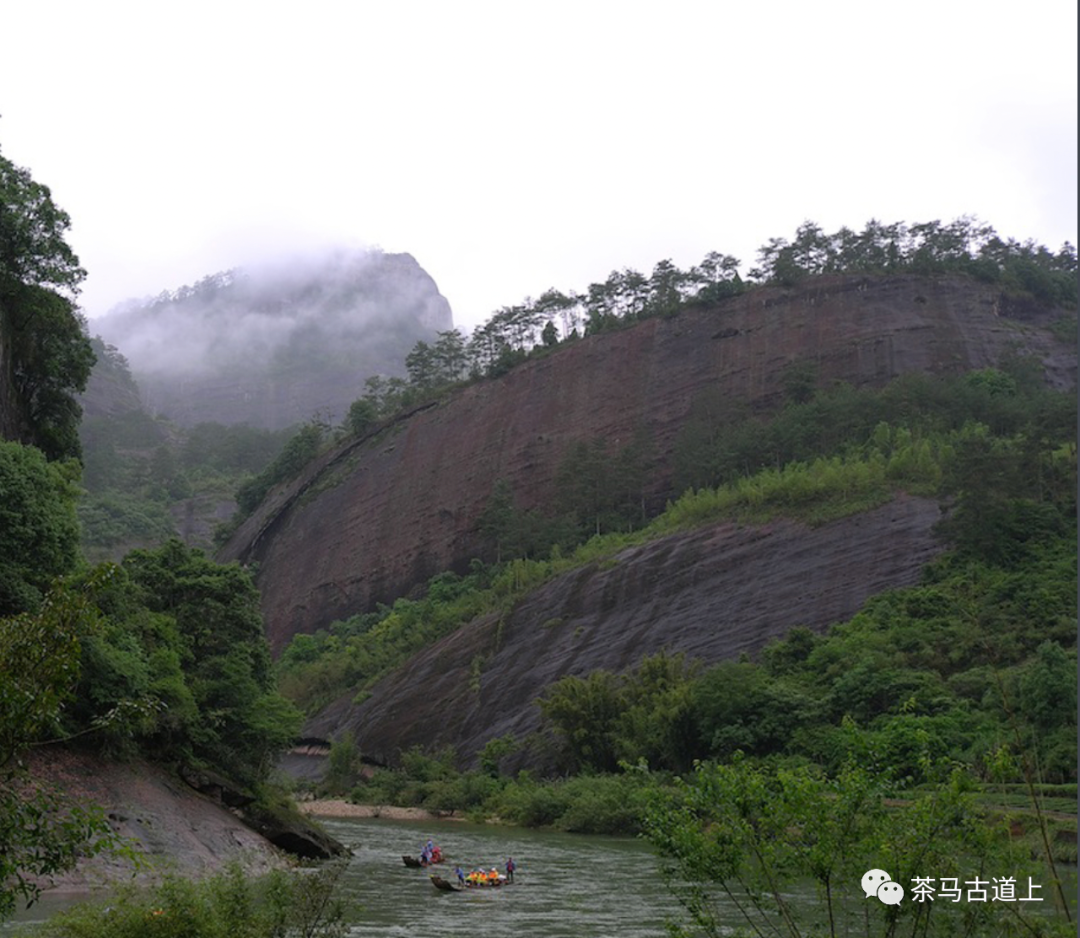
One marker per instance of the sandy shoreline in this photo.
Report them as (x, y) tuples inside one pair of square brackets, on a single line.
[(335, 807)]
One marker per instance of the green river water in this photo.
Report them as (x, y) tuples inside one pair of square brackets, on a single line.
[(567, 885)]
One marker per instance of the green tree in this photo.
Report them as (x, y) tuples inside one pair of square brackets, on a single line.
[(550, 335), (736, 837), (287, 465), (343, 765), (665, 289), (39, 530), (45, 356), (450, 358), (42, 833), (362, 416), (243, 723), (499, 521), (657, 722), (584, 713), (716, 277), (422, 366)]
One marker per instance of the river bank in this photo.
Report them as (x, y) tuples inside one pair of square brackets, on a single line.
[(339, 808)]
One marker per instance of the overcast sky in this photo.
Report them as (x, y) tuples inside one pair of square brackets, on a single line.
[(515, 146)]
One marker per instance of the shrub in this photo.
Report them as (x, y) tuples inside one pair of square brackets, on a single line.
[(228, 905)]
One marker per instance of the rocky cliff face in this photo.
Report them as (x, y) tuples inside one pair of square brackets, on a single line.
[(273, 347), (713, 593), (371, 520), (187, 823), (172, 827)]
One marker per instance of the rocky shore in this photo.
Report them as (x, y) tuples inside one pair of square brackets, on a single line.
[(167, 826)]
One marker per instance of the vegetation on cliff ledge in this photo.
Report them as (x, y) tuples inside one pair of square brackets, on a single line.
[(538, 325)]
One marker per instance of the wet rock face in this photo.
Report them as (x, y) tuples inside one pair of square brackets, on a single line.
[(713, 593), (375, 518)]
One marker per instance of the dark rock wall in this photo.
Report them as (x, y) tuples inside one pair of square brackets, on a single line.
[(372, 520), (713, 593)]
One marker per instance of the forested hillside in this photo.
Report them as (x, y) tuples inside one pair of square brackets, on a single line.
[(832, 436), (146, 478), (855, 514), (197, 390)]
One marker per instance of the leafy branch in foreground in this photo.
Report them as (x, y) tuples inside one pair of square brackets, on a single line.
[(40, 832), (737, 839)]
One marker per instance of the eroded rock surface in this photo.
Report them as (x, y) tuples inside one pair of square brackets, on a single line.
[(713, 593), (373, 519), (170, 825)]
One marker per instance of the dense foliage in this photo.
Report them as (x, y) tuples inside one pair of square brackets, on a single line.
[(977, 660), (165, 656), (736, 837), (183, 637), (45, 356), (902, 739), (583, 804), (140, 470), (39, 531), (41, 831), (943, 429), (783, 763)]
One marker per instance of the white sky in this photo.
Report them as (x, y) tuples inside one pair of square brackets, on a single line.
[(515, 146)]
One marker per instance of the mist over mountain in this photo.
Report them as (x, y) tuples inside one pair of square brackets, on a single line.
[(275, 344)]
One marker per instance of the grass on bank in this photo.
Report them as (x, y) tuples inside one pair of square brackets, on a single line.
[(299, 904)]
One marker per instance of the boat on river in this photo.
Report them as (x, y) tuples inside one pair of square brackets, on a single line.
[(472, 881), (443, 884), (430, 854), (420, 861)]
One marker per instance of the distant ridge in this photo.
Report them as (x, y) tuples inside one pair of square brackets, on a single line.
[(275, 345)]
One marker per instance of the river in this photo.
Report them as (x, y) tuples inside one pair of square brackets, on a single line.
[(567, 885)]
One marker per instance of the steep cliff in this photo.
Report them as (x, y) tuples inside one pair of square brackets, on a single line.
[(372, 519)]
